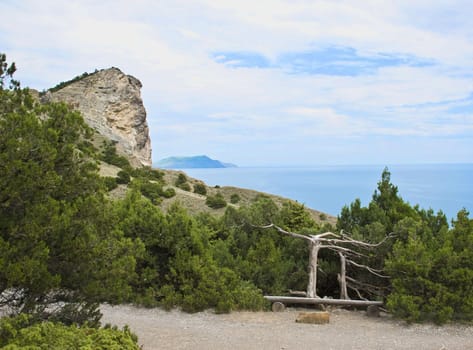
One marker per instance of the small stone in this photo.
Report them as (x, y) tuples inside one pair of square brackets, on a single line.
[(372, 311), (321, 317)]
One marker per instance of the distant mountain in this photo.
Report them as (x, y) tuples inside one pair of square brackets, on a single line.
[(191, 162)]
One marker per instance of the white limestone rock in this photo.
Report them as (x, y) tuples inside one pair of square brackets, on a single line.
[(110, 102)]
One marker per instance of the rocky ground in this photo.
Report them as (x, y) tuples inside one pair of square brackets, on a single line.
[(347, 330)]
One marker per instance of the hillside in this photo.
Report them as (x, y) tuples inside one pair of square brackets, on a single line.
[(195, 203)]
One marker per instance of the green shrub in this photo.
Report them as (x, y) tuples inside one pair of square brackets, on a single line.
[(224, 306), (150, 190), (110, 183), (216, 202), (248, 297), (147, 299), (200, 188), (185, 187), (123, 177), (56, 336), (181, 179), (10, 326), (405, 307), (235, 198), (168, 193), (169, 297), (110, 156), (148, 173), (181, 182), (203, 285)]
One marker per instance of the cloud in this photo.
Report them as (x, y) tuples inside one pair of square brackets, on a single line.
[(269, 80), (342, 61), (190, 34), (241, 59)]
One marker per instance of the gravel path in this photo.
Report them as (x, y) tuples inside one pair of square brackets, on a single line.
[(348, 330)]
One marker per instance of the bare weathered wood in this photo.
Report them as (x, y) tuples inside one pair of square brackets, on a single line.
[(335, 243), (278, 306), (372, 311), (342, 280), (313, 256), (288, 233), (322, 301), (297, 293)]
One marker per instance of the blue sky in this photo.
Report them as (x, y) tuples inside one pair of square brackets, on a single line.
[(270, 82)]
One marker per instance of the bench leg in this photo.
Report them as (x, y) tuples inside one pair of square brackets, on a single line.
[(278, 306)]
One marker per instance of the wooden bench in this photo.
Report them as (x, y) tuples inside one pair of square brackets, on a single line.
[(279, 302)]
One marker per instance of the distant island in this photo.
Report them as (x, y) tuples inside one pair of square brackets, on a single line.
[(192, 162)]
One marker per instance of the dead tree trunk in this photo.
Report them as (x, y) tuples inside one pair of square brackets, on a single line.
[(338, 243), (342, 278), (313, 257)]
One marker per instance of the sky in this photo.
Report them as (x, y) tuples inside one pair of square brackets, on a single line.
[(269, 82)]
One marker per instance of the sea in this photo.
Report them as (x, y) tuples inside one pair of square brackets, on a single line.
[(446, 187)]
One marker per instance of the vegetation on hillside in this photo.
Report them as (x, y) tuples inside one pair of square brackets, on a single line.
[(200, 188), (109, 155), (182, 182), (63, 84), (216, 202)]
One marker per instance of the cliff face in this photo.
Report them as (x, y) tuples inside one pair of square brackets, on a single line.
[(111, 103)]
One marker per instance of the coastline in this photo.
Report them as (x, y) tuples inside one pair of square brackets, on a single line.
[(445, 187)]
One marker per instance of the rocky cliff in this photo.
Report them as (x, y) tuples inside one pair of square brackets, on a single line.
[(111, 103)]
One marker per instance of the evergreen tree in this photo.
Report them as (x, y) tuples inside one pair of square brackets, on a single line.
[(58, 240), (429, 265)]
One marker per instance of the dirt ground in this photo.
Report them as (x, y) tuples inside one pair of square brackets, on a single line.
[(347, 330)]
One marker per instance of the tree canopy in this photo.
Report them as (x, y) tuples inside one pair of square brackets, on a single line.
[(58, 240), (428, 262)]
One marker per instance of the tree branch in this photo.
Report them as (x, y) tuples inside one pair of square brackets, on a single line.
[(347, 237), (357, 292), (365, 285), (292, 234), (346, 251), (344, 246), (322, 236), (375, 272)]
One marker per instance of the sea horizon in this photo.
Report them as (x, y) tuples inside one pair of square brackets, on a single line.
[(343, 165), (327, 188)]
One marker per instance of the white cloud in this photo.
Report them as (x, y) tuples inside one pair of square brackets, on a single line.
[(168, 45)]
